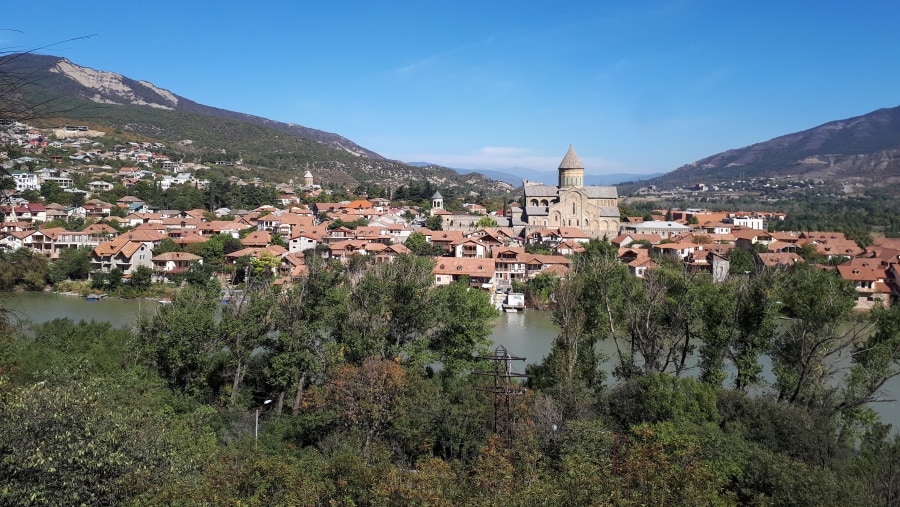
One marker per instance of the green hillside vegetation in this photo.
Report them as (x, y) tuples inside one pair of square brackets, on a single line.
[(339, 371), (215, 134), (262, 148)]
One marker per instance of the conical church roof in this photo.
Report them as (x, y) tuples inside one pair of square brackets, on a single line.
[(571, 160)]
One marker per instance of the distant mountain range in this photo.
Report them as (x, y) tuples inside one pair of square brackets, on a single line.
[(864, 150), (515, 175)]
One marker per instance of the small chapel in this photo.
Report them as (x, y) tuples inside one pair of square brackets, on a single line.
[(594, 208)]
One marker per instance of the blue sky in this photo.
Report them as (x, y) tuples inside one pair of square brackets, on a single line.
[(639, 86)]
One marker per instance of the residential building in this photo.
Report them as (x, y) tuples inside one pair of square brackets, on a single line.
[(125, 252), (171, 263), (51, 242), (480, 272)]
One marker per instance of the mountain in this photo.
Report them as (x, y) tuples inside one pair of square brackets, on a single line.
[(864, 150), (58, 91)]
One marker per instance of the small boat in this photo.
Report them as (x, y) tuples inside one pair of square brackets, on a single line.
[(95, 297)]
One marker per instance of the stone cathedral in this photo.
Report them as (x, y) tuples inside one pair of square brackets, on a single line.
[(594, 209)]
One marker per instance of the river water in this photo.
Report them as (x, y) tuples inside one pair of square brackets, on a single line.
[(40, 307), (526, 334)]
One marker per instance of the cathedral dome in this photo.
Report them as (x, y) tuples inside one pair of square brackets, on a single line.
[(571, 170), (571, 160)]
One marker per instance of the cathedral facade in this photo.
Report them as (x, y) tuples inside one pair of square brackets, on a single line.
[(594, 209)]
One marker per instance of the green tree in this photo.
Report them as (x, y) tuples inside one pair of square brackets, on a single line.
[(876, 360), (741, 261), (305, 319), (434, 223), (61, 345), (107, 281), (141, 278), (246, 320), (737, 319), (462, 326), (389, 309), (607, 286), (663, 316), (182, 339), (23, 267), (84, 441), (486, 222), (73, 263), (574, 345), (819, 305), (198, 274), (542, 286), (278, 240), (878, 462), (31, 195), (418, 244), (165, 246), (264, 266)]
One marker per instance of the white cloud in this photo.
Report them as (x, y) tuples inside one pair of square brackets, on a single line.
[(497, 157)]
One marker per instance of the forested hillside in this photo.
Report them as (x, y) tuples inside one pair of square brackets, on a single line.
[(363, 381)]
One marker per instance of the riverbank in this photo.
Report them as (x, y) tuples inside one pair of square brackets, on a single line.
[(527, 334), (84, 289)]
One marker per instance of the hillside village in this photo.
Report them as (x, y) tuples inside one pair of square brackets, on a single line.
[(529, 238)]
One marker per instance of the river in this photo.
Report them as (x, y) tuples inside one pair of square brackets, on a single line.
[(526, 334), (39, 307)]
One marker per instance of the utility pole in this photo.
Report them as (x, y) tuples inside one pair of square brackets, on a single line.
[(503, 390)]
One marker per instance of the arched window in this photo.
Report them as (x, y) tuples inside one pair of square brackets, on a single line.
[(544, 202), (534, 202)]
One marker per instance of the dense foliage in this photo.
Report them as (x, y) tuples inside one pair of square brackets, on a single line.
[(370, 370)]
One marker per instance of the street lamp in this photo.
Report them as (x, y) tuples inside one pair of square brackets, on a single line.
[(256, 429)]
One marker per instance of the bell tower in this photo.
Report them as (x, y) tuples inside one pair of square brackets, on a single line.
[(437, 202)]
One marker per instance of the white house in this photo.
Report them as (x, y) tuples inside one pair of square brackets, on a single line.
[(747, 221), (26, 181)]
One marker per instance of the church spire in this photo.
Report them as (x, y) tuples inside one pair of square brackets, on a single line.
[(571, 170)]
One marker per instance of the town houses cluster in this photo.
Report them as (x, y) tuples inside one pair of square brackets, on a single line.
[(491, 258), (560, 219)]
